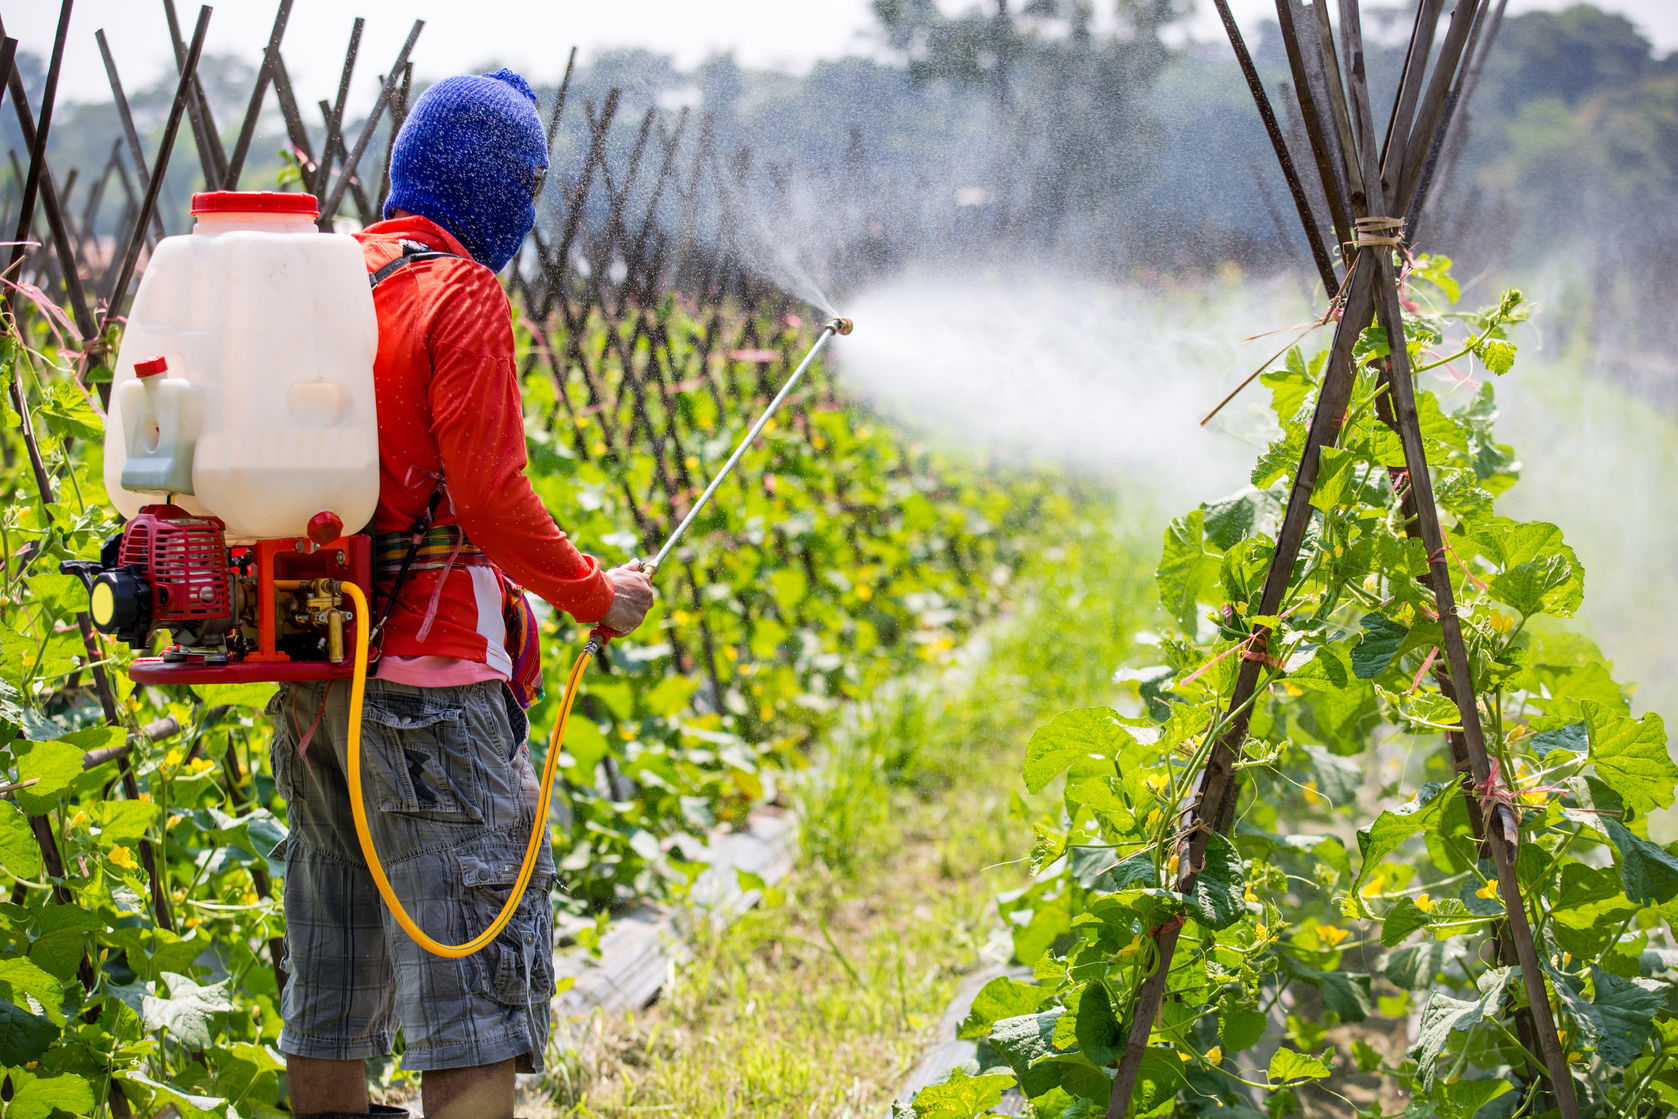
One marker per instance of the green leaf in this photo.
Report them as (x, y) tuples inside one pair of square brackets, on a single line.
[(1071, 735), (1648, 873), (1241, 1029), (1002, 997), (1402, 920), (1160, 1079), (27, 977), (207, 1107), (185, 1013), (1630, 755), (235, 695), (1025, 1040), (1572, 738), (1381, 640), (1098, 1033), (54, 767), (1289, 387), (1219, 891), (1497, 355), (1289, 1066), (1230, 521), (1462, 1099), (20, 854), (1443, 1016), (1335, 477), (1185, 568), (68, 412), (1281, 458), (1621, 1018), (1393, 826), (36, 1097), (23, 1036), (961, 1096), (61, 943), (124, 821)]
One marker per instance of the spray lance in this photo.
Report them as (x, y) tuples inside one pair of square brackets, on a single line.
[(596, 642)]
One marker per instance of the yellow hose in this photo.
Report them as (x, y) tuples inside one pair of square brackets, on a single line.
[(538, 830)]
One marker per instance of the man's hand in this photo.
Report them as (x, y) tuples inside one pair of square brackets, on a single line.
[(631, 599)]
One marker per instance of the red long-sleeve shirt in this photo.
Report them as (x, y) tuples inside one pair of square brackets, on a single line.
[(446, 386)]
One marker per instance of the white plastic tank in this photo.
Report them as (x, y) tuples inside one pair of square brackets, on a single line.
[(269, 324)]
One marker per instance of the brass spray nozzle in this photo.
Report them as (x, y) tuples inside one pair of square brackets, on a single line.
[(840, 326)]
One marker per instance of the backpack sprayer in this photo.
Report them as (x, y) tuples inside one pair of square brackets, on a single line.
[(251, 414)]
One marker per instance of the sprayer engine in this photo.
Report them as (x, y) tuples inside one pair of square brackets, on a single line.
[(273, 610)]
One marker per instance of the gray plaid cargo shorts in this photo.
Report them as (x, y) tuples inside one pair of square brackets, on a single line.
[(451, 797)]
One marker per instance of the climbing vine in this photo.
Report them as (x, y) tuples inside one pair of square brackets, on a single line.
[(1339, 947)]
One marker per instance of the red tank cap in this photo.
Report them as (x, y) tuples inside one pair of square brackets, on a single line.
[(151, 367), (255, 202), (324, 528)]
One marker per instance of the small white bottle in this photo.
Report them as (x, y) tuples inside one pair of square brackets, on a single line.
[(160, 420)]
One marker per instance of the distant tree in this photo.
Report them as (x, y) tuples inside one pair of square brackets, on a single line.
[(1568, 55)]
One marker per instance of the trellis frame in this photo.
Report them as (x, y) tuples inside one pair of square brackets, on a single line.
[(1376, 195)]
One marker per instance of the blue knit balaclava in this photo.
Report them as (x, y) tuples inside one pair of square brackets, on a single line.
[(467, 158)]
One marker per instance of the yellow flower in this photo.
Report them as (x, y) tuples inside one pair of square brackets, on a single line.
[(1331, 936), (1502, 622), (250, 897), (146, 797), (199, 765), (190, 923), (1424, 903), (77, 820), (730, 653), (766, 713), (123, 857), (818, 442), (1489, 890), (173, 758), (1215, 1055), (1249, 895), (1261, 932), (174, 818), (1373, 886), (864, 591), (1131, 949), (1312, 796)]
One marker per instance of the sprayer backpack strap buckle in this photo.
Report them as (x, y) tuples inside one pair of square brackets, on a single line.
[(412, 253)]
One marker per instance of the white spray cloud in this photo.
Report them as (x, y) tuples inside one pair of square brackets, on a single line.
[(1110, 381)]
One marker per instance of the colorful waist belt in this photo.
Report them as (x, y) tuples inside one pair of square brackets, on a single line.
[(437, 548)]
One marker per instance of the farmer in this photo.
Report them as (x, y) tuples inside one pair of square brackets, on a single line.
[(448, 777)]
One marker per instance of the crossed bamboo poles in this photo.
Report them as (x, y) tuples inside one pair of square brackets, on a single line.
[(1375, 195)]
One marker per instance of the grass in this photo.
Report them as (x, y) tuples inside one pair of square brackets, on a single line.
[(819, 1002)]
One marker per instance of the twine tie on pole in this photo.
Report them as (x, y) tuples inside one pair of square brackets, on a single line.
[(1376, 232)]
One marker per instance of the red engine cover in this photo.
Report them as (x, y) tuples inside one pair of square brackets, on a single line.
[(185, 560)]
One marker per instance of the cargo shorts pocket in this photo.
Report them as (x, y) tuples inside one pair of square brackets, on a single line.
[(420, 756), (517, 967)]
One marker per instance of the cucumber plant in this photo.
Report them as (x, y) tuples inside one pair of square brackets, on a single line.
[(1339, 948)]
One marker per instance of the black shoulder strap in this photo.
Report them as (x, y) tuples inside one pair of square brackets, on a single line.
[(412, 253)]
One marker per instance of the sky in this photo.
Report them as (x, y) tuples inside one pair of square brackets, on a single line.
[(533, 36)]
